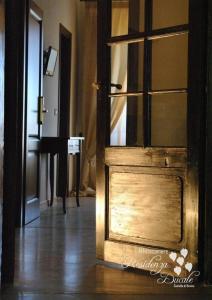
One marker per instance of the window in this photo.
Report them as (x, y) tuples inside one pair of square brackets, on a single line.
[(149, 62)]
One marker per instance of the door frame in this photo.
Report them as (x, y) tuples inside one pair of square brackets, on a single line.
[(68, 35), (16, 20), (63, 123), (207, 206), (34, 11), (196, 129)]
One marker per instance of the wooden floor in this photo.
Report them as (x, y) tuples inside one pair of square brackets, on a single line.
[(55, 259)]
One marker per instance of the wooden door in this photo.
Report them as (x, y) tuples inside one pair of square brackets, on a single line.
[(149, 130), (33, 107)]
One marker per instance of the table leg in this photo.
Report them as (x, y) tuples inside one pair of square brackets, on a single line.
[(77, 178), (52, 178), (66, 180)]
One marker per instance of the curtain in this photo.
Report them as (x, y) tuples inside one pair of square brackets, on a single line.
[(87, 94), (119, 65), (87, 98)]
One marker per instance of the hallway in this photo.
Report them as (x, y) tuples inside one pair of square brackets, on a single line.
[(55, 259)]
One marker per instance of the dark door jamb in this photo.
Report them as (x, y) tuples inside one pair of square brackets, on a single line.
[(15, 22), (64, 98)]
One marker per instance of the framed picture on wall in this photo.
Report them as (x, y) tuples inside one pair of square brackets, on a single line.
[(49, 61)]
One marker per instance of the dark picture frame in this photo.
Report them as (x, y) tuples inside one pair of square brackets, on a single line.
[(49, 61)]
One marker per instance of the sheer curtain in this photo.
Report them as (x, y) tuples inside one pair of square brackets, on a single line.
[(119, 64), (87, 95)]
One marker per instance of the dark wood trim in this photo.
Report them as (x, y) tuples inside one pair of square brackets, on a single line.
[(148, 34), (147, 75), (64, 101), (22, 205), (37, 12), (14, 116), (151, 92), (208, 158), (67, 34), (16, 18), (21, 113), (33, 10), (196, 125), (64, 31), (103, 113)]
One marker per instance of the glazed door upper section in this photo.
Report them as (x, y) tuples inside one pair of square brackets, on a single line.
[(144, 100), (149, 62)]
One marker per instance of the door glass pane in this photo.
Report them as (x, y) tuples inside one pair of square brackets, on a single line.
[(168, 13), (168, 120), (170, 62), (127, 16), (126, 121), (127, 62)]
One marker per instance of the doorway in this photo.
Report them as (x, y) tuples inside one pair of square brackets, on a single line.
[(64, 98), (34, 110)]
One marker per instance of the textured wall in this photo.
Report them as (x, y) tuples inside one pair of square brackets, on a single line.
[(54, 13), (1, 112)]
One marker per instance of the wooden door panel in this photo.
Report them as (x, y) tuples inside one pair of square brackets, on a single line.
[(136, 256), (146, 157), (145, 206)]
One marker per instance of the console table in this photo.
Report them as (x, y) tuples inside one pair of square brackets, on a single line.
[(64, 147)]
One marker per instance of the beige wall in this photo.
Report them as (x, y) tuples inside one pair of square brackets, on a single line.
[(81, 10), (56, 12)]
